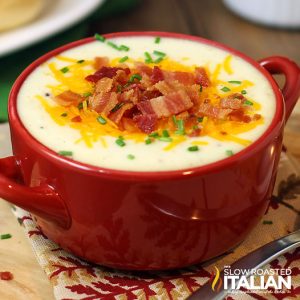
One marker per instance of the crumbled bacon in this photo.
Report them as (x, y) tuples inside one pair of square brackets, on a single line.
[(182, 77), (146, 123), (157, 75), (118, 114), (100, 62), (209, 110), (108, 72), (234, 101), (6, 276), (68, 98), (76, 119), (201, 77)]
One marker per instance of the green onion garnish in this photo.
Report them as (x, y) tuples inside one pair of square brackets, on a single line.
[(225, 89), (157, 40), (148, 58), (235, 81), (247, 102), (101, 120), (87, 94), (65, 153), (119, 88), (120, 142), (64, 114), (195, 127), (201, 89), (229, 152), (148, 141), (5, 236), (124, 48), (99, 37), (135, 76), (193, 148), (80, 61), (200, 119), (113, 45), (180, 126), (117, 107), (159, 53), (243, 92), (158, 60), (64, 70), (130, 156), (123, 59), (154, 135), (266, 222), (165, 133), (165, 139)]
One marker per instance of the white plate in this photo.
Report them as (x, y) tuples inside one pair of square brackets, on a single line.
[(60, 15)]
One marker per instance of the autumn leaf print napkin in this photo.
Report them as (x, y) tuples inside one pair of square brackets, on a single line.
[(73, 278)]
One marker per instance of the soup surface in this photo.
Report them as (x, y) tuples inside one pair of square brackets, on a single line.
[(146, 103)]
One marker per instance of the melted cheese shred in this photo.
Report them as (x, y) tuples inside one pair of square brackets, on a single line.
[(92, 131)]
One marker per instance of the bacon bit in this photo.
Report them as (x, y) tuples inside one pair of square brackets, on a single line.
[(201, 77), (68, 98), (76, 119), (215, 112), (117, 115), (157, 75), (239, 116), (147, 95), (104, 85), (143, 69), (100, 62), (234, 101), (108, 72), (104, 103), (6, 276), (167, 105), (256, 117), (182, 77), (128, 124), (146, 123), (196, 132)]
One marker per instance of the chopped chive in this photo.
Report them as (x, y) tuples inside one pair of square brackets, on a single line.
[(200, 119), (235, 81), (80, 105), (225, 89), (247, 102), (124, 48), (64, 114), (180, 126), (148, 141), (113, 45), (159, 53), (87, 94), (99, 37), (64, 70), (229, 152), (80, 61), (195, 127), (243, 92), (65, 153), (119, 88), (157, 40), (201, 88), (120, 142), (148, 58), (165, 133), (193, 148), (174, 119), (135, 76), (130, 156), (154, 135), (5, 236), (165, 139), (101, 120), (123, 59), (266, 222), (117, 107), (158, 60)]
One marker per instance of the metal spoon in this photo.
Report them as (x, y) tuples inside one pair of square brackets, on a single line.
[(253, 260)]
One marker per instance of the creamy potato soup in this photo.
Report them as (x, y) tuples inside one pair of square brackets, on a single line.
[(146, 103)]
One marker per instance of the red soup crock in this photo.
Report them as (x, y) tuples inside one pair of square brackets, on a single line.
[(148, 220)]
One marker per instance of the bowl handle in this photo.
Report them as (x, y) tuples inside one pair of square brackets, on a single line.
[(291, 71), (42, 201)]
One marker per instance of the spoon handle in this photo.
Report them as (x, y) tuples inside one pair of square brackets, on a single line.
[(254, 260)]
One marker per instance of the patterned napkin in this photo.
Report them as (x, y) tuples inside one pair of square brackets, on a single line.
[(73, 278)]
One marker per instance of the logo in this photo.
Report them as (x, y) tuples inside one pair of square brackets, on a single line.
[(255, 280)]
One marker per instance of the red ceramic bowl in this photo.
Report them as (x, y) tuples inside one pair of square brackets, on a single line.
[(148, 220)]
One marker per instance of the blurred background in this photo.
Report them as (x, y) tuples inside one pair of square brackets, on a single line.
[(30, 28)]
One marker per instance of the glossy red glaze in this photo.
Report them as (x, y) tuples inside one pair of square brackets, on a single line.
[(147, 220)]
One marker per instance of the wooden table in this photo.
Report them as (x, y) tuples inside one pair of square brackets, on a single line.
[(208, 19)]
